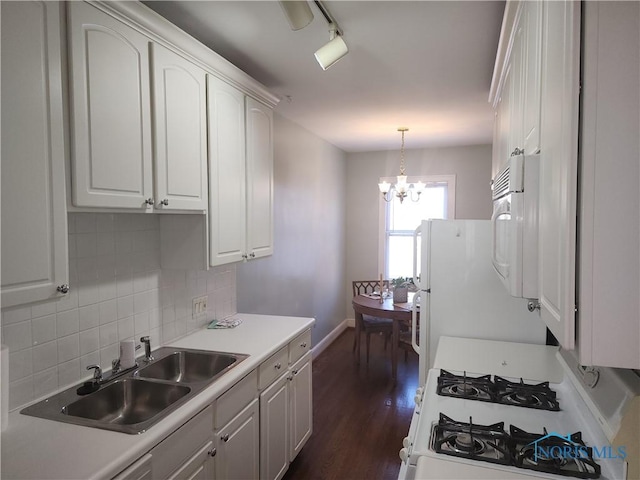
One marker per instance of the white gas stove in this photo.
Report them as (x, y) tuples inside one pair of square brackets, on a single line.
[(467, 423)]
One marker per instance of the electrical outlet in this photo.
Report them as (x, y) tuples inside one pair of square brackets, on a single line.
[(198, 306)]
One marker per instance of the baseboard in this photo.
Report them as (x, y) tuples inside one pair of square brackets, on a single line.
[(328, 339), (351, 322)]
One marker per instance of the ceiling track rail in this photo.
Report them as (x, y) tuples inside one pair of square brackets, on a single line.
[(327, 15)]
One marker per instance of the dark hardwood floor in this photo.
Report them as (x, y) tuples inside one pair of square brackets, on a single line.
[(360, 416)]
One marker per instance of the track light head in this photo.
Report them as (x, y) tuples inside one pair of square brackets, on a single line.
[(298, 13), (333, 51)]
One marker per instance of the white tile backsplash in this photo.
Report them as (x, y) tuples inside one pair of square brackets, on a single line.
[(118, 292)]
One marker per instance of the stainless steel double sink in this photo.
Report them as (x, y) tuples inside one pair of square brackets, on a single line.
[(140, 398)]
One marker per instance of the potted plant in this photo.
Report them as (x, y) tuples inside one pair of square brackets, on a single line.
[(401, 289)]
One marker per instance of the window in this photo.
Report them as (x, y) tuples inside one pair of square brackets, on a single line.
[(398, 221)]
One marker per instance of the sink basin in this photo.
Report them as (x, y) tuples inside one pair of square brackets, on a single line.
[(126, 402), (133, 400), (189, 366)]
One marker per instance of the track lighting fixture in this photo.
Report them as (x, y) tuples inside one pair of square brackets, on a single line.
[(333, 51), (298, 13)]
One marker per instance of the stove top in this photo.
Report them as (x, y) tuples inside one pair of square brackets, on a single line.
[(518, 448), (499, 390)]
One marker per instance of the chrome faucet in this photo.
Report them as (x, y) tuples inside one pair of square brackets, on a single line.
[(97, 373), (147, 349)]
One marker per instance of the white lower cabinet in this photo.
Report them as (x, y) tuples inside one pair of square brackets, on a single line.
[(188, 452), (300, 396), (198, 467), (286, 415), (274, 429), (238, 451)]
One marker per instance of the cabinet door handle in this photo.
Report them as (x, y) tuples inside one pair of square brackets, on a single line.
[(64, 288), (244, 256), (212, 452), (295, 372), (303, 345), (517, 151), (533, 305), (225, 437), (253, 255), (149, 201), (277, 366), (165, 202)]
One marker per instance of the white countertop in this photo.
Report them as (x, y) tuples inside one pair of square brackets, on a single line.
[(44, 449)]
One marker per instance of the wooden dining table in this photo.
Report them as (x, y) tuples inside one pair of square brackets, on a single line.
[(365, 305)]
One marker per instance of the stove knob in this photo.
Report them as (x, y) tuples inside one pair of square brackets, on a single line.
[(404, 455), (418, 398), (406, 442)]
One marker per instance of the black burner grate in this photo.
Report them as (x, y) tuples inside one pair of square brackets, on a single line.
[(498, 390)]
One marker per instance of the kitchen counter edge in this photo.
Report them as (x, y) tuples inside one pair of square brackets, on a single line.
[(44, 449)]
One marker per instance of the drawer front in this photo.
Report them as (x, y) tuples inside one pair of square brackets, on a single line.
[(235, 399), (299, 346), (273, 367), (178, 447)]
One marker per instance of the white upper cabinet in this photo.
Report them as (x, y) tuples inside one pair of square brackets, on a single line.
[(180, 120), (111, 111), (515, 90), (609, 228), (227, 173), (531, 47), (535, 92), (240, 175), (559, 168), (115, 88), (34, 219), (259, 119)]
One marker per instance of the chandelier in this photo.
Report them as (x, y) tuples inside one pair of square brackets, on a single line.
[(401, 189)]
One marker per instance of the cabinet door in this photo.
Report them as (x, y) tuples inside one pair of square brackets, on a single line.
[(259, 179), (198, 467), (274, 430), (609, 250), (504, 119), (238, 456), (532, 23), (558, 168), (34, 220), (110, 115), (227, 176), (300, 401), (179, 89), (516, 117)]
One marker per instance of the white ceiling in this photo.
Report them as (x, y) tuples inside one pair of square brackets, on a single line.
[(425, 65)]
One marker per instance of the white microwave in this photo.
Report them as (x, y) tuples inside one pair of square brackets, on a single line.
[(515, 225)]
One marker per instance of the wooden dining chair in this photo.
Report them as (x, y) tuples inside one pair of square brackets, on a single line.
[(371, 324), (404, 341)]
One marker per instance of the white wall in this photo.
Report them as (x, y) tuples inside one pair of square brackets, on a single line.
[(305, 274), (470, 164), (118, 292)]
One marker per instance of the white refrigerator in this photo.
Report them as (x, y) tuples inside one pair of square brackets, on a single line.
[(459, 293)]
